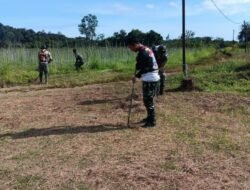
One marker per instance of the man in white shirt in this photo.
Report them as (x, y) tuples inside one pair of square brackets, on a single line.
[(147, 71)]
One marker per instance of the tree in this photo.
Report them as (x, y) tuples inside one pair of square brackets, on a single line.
[(153, 38), (120, 38), (245, 32), (139, 35), (189, 34), (219, 42), (150, 38), (167, 37), (88, 26)]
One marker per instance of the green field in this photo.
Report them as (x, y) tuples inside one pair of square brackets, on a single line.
[(19, 66), (213, 70)]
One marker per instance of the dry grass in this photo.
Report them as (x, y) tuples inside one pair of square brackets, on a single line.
[(77, 138)]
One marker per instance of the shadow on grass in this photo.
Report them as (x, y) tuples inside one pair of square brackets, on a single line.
[(92, 102), (104, 101), (181, 89), (63, 130), (243, 68)]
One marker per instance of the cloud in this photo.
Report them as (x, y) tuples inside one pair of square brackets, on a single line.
[(111, 9), (229, 7), (231, 2), (150, 6), (174, 4), (121, 8)]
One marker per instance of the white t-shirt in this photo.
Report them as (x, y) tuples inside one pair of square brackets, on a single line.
[(150, 76)]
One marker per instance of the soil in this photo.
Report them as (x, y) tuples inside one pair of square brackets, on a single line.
[(78, 138)]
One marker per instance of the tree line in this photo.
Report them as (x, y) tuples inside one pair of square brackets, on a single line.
[(21, 37)]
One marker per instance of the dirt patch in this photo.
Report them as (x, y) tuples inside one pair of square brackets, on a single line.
[(77, 138)]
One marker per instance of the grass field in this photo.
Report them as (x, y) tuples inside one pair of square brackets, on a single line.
[(77, 138), (19, 66)]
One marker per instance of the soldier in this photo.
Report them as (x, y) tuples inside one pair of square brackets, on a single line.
[(44, 58), (161, 58), (79, 60), (147, 71)]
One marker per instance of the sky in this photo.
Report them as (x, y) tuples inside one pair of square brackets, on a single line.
[(162, 16)]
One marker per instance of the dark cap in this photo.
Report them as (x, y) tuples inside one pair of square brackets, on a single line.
[(43, 47), (132, 40)]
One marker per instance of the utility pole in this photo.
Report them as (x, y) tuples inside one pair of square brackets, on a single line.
[(245, 36), (233, 37), (184, 65), (187, 83)]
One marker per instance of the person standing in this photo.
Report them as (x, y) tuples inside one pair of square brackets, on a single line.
[(147, 71), (161, 56), (79, 60), (44, 58)]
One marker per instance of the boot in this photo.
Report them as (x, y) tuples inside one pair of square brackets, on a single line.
[(46, 79), (144, 120), (40, 80), (148, 124), (161, 91), (150, 119)]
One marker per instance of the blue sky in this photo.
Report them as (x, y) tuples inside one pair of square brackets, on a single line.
[(162, 16)]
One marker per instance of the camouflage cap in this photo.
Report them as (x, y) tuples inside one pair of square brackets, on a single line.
[(43, 47)]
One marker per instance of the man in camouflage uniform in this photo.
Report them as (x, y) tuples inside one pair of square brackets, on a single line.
[(44, 58), (79, 60), (147, 71), (161, 58)]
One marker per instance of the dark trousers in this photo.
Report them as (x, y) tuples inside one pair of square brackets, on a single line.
[(149, 90), (78, 65), (162, 82), (43, 69)]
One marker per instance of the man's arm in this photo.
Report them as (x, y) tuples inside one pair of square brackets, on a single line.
[(50, 57), (144, 63)]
